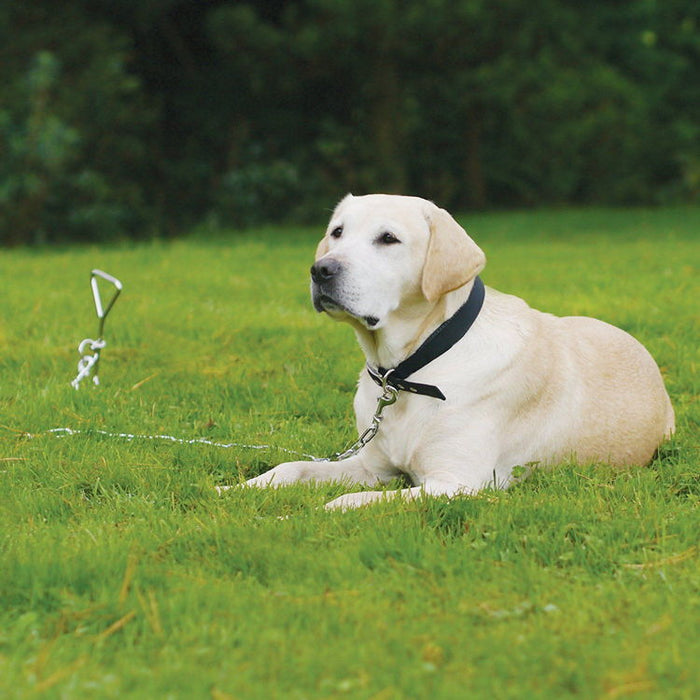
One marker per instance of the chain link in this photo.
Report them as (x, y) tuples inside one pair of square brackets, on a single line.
[(88, 361)]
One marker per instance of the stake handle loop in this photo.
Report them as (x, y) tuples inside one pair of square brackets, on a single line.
[(103, 311)]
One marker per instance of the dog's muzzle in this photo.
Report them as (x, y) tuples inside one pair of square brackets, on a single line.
[(325, 281), (324, 277)]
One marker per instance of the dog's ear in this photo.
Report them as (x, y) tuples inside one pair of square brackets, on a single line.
[(323, 247), (453, 259)]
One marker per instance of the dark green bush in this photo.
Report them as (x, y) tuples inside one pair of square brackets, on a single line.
[(132, 118), (74, 125)]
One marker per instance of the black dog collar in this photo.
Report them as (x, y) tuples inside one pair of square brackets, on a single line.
[(437, 343)]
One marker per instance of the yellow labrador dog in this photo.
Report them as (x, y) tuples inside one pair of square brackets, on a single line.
[(483, 382)]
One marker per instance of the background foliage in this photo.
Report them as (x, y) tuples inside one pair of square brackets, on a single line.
[(128, 118)]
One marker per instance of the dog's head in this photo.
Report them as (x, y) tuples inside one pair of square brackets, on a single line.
[(382, 253)]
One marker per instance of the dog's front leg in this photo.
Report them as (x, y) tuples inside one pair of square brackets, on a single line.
[(350, 471)]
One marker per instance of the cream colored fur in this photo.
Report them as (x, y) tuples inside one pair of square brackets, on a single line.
[(523, 387)]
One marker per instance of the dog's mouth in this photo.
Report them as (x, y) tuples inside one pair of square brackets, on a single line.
[(324, 302)]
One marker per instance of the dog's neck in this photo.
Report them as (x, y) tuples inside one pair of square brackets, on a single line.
[(405, 330)]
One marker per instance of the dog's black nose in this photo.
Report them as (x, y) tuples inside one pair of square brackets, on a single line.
[(324, 270)]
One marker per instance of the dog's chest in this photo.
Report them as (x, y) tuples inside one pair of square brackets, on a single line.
[(401, 429)]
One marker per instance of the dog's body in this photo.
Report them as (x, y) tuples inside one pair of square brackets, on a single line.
[(522, 387)]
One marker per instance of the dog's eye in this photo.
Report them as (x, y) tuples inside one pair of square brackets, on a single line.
[(337, 232), (387, 238)]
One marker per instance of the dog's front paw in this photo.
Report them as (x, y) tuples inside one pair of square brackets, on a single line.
[(355, 500), (286, 473)]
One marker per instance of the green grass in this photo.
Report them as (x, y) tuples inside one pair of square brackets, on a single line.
[(123, 574)]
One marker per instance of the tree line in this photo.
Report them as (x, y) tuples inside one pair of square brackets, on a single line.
[(133, 118)]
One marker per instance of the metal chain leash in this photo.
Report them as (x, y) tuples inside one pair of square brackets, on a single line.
[(65, 432), (387, 398), (89, 362)]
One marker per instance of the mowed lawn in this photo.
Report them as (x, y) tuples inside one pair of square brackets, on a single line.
[(124, 575)]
